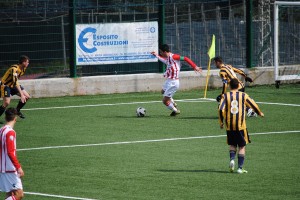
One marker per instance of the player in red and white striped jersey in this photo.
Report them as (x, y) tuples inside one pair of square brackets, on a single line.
[(10, 168), (171, 85)]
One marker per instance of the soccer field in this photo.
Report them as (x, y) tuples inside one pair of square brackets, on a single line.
[(94, 147)]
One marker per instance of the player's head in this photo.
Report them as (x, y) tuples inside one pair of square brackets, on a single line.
[(234, 84), (164, 49), (218, 61), (24, 61), (11, 114)]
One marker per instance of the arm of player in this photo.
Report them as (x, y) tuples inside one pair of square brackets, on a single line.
[(251, 103), (221, 112), (11, 151), (17, 85), (189, 61), (161, 59), (241, 72)]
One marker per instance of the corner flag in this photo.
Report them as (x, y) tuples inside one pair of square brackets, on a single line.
[(212, 50)]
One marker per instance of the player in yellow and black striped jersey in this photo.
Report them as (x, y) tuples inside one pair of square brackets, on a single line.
[(10, 85), (232, 110), (227, 73)]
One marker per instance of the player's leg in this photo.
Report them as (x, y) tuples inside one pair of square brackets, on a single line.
[(243, 139), (5, 93), (170, 87), (21, 104), (241, 159), (168, 102), (232, 153), (15, 195), (232, 149)]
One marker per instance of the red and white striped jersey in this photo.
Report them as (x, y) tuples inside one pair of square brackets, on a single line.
[(8, 157), (174, 65)]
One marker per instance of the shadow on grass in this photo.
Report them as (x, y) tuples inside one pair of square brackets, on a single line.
[(165, 117), (193, 171), (201, 117)]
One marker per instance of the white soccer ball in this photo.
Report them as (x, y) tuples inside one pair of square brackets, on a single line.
[(140, 112)]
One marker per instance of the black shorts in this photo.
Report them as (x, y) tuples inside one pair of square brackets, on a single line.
[(238, 138), (6, 91)]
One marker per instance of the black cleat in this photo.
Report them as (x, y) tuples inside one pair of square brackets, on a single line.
[(21, 115), (174, 113)]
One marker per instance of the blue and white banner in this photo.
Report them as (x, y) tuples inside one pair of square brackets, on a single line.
[(114, 43)]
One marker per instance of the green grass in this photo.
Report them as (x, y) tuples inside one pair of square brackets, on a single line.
[(179, 169)]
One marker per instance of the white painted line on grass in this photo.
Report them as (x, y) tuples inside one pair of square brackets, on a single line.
[(115, 104), (279, 104), (148, 141), (56, 196), (202, 100)]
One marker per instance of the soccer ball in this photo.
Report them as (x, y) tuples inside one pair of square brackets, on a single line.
[(140, 112)]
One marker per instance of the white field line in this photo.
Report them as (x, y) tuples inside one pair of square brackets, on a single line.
[(269, 103), (148, 141), (118, 104), (56, 196), (202, 100)]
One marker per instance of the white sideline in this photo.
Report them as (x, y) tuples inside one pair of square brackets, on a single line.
[(56, 196), (203, 100), (148, 141)]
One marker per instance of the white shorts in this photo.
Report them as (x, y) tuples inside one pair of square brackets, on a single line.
[(10, 182), (170, 87)]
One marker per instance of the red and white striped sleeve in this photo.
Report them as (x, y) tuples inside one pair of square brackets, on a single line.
[(11, 148), (186, 59)]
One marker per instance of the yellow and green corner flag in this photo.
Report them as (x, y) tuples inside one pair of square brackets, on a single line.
[(211, 54)]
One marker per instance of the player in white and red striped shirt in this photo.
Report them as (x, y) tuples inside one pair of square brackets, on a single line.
[(171, 85), (10, 168)]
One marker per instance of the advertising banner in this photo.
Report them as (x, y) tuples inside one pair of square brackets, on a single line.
[(115, 43)]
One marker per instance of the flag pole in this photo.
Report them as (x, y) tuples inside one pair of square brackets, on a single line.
[(211, 54), (207, 77)]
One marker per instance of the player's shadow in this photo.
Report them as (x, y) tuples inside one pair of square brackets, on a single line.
[(193, 171), (200, 117)]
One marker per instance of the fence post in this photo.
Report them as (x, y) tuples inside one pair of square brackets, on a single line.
[(249, 34), (72, 22), (161, 24), (63, 40)]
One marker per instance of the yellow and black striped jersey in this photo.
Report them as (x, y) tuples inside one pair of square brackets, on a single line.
[(12, 75), (232, 110), (227, 72)]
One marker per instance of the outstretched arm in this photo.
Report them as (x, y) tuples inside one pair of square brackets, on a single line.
[(189, 61), (251, 103), (161, 59), (241, 72), (221, 111)]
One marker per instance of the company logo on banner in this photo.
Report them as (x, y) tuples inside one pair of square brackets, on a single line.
[(115, 43)]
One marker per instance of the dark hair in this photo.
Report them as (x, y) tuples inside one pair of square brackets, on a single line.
[(10, 114), (23, 58), (234, 84), (164, 47), (218, 59)]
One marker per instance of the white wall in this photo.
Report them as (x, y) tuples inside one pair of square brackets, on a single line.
[(55, 87)]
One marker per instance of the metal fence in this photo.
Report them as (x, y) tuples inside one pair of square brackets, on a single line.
[(39, 29)]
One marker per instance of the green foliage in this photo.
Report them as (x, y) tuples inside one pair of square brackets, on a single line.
[(179, 169)]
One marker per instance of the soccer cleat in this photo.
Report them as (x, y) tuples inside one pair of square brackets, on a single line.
[(251, 113), (231, 166), (21, 115), (174, 113), (241, 171)]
